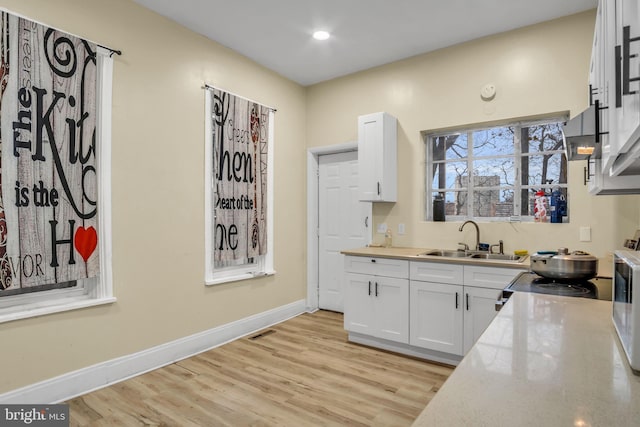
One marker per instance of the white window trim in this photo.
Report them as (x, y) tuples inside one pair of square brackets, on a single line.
[(429, 136), (93, 291), (264, 265)]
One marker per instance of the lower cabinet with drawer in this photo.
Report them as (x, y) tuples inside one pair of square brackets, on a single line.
[(426, 309), (451, 308), (377, 298)]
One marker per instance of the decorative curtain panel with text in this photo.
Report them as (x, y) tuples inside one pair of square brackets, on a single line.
[(48, 206), (240, 132)]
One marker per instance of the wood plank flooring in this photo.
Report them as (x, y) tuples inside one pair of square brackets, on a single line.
[(301, 372)]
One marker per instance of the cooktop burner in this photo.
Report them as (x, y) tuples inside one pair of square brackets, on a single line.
[(531, 282)]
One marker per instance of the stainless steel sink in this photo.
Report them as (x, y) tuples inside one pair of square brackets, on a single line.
[(446, 253), (500, 257)]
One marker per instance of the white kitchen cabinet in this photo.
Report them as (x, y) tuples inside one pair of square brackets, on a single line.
[(601, 182), (615, 63), (387, 267), (482, 286), (489, 277), (437, 272), (626, 128), (433, 310), (377, 157), (450, 305), (377, 305), (436, 316), (479, 311)]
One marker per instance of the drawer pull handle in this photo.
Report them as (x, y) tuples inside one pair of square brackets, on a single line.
[(369, 287), (456, 300), (376, 288), (467, 298)]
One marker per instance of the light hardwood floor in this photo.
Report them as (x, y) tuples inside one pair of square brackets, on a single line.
[(301, 372)]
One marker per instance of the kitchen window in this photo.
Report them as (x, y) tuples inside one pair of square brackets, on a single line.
[(494, 173)]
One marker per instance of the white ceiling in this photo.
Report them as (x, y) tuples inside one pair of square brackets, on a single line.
[(365, 33)]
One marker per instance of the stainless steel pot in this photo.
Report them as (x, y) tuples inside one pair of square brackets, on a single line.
[(564, 265)]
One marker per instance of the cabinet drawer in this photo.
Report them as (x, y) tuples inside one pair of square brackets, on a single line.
[(436, 272), (377, 266), (489, 277)]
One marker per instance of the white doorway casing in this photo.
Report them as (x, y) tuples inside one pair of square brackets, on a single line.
[(313, 158)]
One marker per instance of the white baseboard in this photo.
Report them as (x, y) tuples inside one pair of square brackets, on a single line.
[(82, 381)]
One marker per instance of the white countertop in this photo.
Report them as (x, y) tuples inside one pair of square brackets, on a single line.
[(543, 361)]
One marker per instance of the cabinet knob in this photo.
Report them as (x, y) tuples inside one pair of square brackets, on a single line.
[(373, 260)]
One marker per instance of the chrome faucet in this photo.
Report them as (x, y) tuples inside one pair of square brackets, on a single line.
[(500, 246), (477, 232)]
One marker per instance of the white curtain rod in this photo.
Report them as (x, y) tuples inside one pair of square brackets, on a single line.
[(209, 87)]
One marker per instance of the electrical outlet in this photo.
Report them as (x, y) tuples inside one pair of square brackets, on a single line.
[(585, 234), (400, 228), (382, 228)]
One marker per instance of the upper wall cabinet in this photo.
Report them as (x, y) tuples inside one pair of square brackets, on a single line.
[(625, 146), (614, 77), (615, 82), (378, 157)]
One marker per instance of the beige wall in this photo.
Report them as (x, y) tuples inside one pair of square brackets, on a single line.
[(537, 70), (158, 188)]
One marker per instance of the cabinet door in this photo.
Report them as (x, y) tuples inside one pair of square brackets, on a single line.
[(358, 304), (377, 157), (391, 302), (627, 127), (436, 312), (479, 311)]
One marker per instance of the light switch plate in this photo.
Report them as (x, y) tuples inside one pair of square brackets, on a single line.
[(585, 234), (401, 228), (382, 228)]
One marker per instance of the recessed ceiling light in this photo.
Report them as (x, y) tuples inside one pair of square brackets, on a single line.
[(321, 35)]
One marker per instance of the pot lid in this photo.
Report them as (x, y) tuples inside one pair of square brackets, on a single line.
[(563, 254)]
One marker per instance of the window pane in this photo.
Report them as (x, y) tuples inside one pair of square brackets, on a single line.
[(449, 175), (544, 169), (493, 142), (539, 138), (450, 147), (494, 172), (455, 203), (493, 203), (528, 203)]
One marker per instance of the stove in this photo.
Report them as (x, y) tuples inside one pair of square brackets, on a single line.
[(532, 282)]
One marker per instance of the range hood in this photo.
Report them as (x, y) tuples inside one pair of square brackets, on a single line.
[(581, 137)]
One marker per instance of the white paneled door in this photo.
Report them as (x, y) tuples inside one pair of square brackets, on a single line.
[(343, 223)]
